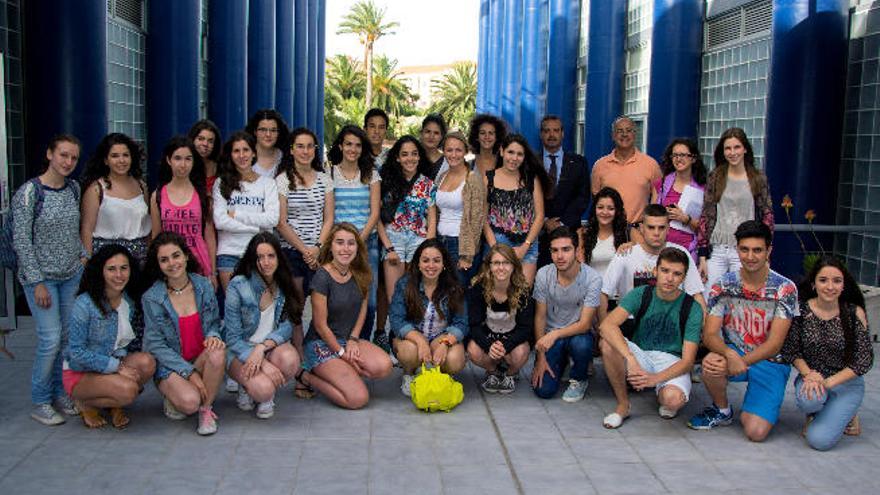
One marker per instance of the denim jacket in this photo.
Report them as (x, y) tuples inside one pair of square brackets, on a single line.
[(456, 324), (162, 332), (242, 316), (92, 336)]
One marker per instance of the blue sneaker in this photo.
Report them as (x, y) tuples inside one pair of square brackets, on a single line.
[(710, 418)]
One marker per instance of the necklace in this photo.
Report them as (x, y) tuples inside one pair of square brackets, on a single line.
[(335, 267), (179, 291)]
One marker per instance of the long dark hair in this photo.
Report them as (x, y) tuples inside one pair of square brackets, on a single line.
[(619, 225), (97, 169), (207, 125), (447, 285), (92, 281), (365, 161), (196, 175), (757, 180), (230, 179), (289, 166), (282, 143), (851, 296), (698, 168), (283, 279), (531, 167), (474, 132), (151, 267), (394, 185)]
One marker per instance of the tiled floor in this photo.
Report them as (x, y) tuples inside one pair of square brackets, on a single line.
[(489, 444)]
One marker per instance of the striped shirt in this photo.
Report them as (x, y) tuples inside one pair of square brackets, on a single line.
[(305, 207), (352, 198)]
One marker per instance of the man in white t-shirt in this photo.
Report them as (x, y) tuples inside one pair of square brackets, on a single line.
[(635, 267)]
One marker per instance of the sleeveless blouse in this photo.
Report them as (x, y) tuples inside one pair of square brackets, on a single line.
[(510, 212), (186, 220)]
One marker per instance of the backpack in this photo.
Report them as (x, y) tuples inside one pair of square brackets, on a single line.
[(683, 314), (8, 257)]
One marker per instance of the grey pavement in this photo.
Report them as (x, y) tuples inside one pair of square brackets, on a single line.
[(488, 444)]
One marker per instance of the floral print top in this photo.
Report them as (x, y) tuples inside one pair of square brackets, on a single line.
[(510, 212), (822, 344), (412, 212)]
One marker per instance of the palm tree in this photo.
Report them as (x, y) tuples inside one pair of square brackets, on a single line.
[(391, 94), (367, 22), (344, 77), (455, 94)]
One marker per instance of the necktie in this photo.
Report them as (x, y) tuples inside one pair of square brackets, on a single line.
[(554, 171)]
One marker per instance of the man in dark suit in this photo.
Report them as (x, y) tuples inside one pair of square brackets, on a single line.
[(571, 180)]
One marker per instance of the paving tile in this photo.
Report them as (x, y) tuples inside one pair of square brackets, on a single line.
[(475, 478), (745, 476), (331, 477), (622, 478), (688, 476), (667, 449), (249, 477), (603, 450), (565, 478), (407, 477)]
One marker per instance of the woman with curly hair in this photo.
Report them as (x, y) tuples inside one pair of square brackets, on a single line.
[(428, 314), (680, 190), (115, 202), (206, 136), (830, 346), (272, 137), (336, 357), (103, 365), (485, 136), (606, 230), (501, 316)]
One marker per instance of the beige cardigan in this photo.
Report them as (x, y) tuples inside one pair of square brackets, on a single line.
[(473, 216)]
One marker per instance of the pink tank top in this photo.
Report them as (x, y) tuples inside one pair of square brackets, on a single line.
[(186, 220), (192, 340)]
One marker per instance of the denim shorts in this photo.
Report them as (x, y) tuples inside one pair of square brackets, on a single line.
[(227, 262), (317, 352), (299, 268), (531, 255), (405, 243), (766, 389)]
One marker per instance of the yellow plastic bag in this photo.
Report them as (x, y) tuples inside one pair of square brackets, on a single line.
[(432, 390)]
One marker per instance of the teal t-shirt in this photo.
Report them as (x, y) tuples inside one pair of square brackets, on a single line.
[(659, 329)]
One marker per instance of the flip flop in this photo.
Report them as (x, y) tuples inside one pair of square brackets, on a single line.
[(614, 420), (302, 390), (854, 427), (118, 418), (92, 417)]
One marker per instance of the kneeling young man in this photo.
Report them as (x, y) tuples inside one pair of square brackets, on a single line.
[(664, 345), (566, 297), (750, 312)]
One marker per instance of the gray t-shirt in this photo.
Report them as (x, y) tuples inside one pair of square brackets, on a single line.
[(735, 207), (343, 305), (564, 303)]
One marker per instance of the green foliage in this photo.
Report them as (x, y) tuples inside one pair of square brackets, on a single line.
[(455, 94), (389, 92)]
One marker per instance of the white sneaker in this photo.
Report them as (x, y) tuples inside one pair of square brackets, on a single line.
[(266, 410), (575, 391), (171, 412), (405, 384), (244, 401), (207, 421), (666, 413), (231, 385)]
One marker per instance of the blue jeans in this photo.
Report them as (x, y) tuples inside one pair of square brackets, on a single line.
[(51, 328), (832, 411), (464, 276), (578, 348), (373, 257)]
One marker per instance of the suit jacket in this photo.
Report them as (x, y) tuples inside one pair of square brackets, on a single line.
[(569, 198)]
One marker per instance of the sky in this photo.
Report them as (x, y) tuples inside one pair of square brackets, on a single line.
[(430, 32)]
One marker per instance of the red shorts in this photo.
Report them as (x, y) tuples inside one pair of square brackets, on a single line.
[(70, 378)]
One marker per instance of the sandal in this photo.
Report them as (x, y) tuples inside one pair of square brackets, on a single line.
[(91, 417), (810, 418), (119, 419), (615, 420), (854, 427), (302, 390)]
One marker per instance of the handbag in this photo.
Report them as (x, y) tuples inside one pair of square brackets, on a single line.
[(432, 390)]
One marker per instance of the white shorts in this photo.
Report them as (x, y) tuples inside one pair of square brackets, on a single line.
[(657, 361)]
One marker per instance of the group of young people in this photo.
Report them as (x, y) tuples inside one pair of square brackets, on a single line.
[(417, 255)]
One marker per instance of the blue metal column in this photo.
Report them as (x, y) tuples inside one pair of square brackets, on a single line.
[(284, 58), (512, 60), (605, 67), (674, 95), (805, 114), (66, 46), (533, 91), (495, 56), (261, 55), (227, 44), (483, 56), (311, 82), (319, 71), (172, 83), (301, 63), (563, 55)]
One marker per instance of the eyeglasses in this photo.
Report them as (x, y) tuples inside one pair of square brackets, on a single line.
[(499, 264), (266, 130), (681, 155), (303, 147), (628, 130)]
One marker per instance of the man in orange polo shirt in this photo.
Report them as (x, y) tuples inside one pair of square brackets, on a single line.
[(626, 169)]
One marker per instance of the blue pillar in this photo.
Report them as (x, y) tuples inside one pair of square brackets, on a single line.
[(261, 55), (319, 72), (227, 71), (605, 66), (172, 83), (495, 56), (284, 58), (483, 56), (533, 91), (674, 96), (301, 63), (66, 46), (563, 55), (311, 82), (512, 60), (805, 115)]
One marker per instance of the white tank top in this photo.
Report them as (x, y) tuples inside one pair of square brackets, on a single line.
[(266, 325), (122, 218), (451, 206), (602, 254)]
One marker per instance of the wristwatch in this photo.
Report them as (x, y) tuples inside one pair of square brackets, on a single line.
[(340, 352)]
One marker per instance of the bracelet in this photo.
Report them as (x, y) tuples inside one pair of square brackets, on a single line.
[(527, 243), (352, 337), (389, 249)]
